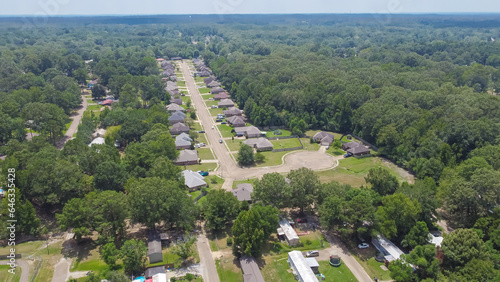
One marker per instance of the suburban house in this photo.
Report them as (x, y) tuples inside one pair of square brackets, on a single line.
[(324, 138), (226, 103), (193, 180), (176, 58), (221, 96), (107, 102), (301, 269), (97, 141), (243, 192), (92, 83), (214, 84), (204, 73), (183, 141), (261, 144), (355, 148), (250, 268), (217, 90), (286, 232), (236, 121), (174, 107), (187, 157), (154, 247), (208, 80), (171, 86), (177, 117), (387, 248), (248, 131), (177, 101), (179, 128), (152, 271), (232, 112)]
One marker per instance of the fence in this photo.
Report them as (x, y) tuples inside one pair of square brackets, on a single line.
[(203, 193)]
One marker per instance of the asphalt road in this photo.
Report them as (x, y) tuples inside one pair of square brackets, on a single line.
[(207, 262), (25, 269)]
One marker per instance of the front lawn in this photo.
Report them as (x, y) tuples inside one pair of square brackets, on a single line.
[(181, 83), (286, 143), (341, 273), (308, 145), (225, 130), (234, 145), (204, 90), (215, 112), (228, 269), (6, 276), (205, 154), (251, 181), (207, 96), (211, 103), (94, 107), (185, 99), (272, 158), (199, 79)]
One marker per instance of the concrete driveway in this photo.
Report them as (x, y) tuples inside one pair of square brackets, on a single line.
[(25, 269)]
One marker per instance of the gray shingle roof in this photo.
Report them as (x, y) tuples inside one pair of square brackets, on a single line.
[(225, 103), (174, 107), (193, 179), (187, 156), (243, 192), (251, 271)]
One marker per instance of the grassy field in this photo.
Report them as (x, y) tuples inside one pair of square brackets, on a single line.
[(205, 154), (6, 276), (199, 79), (181, 83), (335, 151), (201, 138), (214, 186), (196, 126), (234, 145), (225, 130), (185, 99), (204, 90), (215, 112), (204, 167), (277, 269), (284, 132), (112, 131), (207, 96), (372, 267), (353, 171), (286, 143)]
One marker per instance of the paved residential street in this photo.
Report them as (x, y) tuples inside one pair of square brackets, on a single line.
[(74, 124)]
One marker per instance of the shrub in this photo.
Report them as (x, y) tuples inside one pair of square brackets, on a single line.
[(229, 241)]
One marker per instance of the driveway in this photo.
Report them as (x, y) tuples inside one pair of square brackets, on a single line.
[(74, 124), (315, 160), (25, 269), (61, 270), (207, 262)]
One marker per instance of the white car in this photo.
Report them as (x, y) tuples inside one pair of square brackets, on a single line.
[(312, 254), (363, 246)]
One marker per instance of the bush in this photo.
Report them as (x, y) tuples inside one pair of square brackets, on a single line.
[(229, 241), (308, 242), (213, 180)]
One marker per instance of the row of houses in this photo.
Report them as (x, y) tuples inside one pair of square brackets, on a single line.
[(354, 148), (201, 69), (168, 70)]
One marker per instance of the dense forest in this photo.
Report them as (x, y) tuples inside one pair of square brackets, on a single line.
[(423, 89)]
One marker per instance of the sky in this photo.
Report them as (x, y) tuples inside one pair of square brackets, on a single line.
[(142, 7)]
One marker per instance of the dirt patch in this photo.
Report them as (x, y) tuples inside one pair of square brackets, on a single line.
[(404, 174)]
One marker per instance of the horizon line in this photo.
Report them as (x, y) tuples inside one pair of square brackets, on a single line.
[(256, 14)]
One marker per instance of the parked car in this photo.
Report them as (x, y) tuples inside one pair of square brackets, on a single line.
[(348, 155), (201, 131), (220, 141), (312, 254), (223, 122), (197, 146), (363, 246), (302, 220), (218, 120), (210, 98), (214, 107), (203, 173), (203, 144)]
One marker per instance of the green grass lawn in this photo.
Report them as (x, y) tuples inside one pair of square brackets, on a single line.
[(182, 279), (214, 186), (201, 138), (234, 145), (271, 158), (372, 267), (204, 90), (67, 125), (225, 130), (353, 171), (112, 131), (335, 151), (205, 154), (181, 83), (312, 132), (185, 99), (195, 194), (341, 273), (94, 107), (204, 167), (6, 276), (199, 79), (215, 112), (277, 269), (207, 96), (229, 271), (196, 126), (308, 145), (211, 103), (286, 143), (284, 132)]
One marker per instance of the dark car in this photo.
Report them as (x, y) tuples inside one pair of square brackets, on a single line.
[(348, 155), (220, 141), (201, 131), (223, 122), (203, 173), (302, 220), (218, 120)]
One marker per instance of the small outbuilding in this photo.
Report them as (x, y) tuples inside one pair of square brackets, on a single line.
[(287, 232), (250, 268), (154, 247)]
